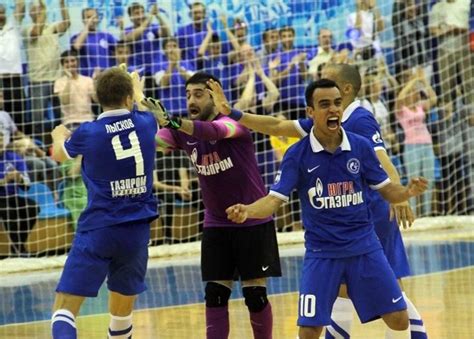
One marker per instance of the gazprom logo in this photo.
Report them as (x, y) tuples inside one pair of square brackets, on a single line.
[(319, 187), (353, 165)]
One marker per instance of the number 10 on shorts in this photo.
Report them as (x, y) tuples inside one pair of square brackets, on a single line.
[(307, 305)]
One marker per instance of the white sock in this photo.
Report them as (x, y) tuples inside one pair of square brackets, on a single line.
[(341, 318), (120, 327), (417, 328)]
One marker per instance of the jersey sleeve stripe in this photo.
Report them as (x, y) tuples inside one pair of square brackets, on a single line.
[(301, 131), (279, 196), (380, 185), (380, 148)]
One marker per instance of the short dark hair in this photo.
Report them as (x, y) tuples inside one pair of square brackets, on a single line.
[(215, 38), (313, 86), (113, 86), (348, 73), (84, 10), (287, 28), (68, 53), (133, 6), (201, 78), (267, 31), (168, 40)]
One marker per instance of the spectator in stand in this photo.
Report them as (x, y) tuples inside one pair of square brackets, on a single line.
[(211, 58), (289, 74), (411, 111), (237, 37), (271, 40), (76, 92), (41, 168), (145, 37), (18, 213), (324, 54), (410, 35), (10, 62), (260, 100), (363, 27), (170, 76), (191, 36), (93, 47), (43, 51), (448, 139), (449, 22), (379, 88)]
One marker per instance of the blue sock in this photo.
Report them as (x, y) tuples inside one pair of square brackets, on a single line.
[(417, 328), (63, 325)]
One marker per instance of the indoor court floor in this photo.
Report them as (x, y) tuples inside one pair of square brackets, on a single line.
[(441, 288)]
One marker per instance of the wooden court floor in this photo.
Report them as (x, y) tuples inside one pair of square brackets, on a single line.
[(445, 300)]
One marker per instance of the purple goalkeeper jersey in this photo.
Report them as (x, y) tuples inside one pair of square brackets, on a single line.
[(223, 155)]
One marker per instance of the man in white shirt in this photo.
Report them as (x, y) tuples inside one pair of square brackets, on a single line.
[(324, 53), (449, 22), (10, 62)]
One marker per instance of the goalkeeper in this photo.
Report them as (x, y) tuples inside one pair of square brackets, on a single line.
[(222, 152)]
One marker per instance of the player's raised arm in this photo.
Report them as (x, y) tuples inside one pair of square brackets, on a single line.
[(264, 124), (260, 209), (396, 193), (60, 134)]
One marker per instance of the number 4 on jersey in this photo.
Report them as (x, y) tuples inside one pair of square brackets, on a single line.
[(134, 151)]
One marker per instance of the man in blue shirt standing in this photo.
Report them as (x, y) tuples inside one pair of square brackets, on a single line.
[(331, 170), (93, 47), (114, 229), (358, 120)]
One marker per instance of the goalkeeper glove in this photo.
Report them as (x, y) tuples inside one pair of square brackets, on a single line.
[(164, 119)]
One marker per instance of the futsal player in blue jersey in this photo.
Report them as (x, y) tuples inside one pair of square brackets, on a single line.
[(331, 170), (358, 120), (118, 151)]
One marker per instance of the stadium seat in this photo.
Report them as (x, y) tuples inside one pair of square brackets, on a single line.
[(53, 230)]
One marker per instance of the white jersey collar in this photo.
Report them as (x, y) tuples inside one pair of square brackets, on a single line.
[(317, 147), (350, 109), (113, 113)]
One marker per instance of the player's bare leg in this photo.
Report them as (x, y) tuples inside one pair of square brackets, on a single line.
[(66, 308), (120, 308), (309, 332), (261, 318)]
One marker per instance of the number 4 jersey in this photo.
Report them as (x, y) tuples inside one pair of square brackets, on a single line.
[(118, 152)]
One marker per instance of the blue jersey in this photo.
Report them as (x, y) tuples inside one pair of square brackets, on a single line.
[(331, 189), (95, 52), (358, 120), (145, 51), (117, 168)]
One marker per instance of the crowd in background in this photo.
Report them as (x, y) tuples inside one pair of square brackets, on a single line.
[(423, 100)]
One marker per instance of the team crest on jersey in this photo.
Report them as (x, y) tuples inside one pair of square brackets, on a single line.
[(353, 165), (277, 177), (377, 138)]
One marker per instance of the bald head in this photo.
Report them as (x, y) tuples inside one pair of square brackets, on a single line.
[(343, 74)]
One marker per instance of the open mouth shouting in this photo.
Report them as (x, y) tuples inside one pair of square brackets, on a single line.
[(333, 123)]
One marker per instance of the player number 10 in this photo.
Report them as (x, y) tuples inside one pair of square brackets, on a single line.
[(133, 152), (307, 305)]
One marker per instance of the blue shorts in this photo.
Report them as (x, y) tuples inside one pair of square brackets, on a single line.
[(119, 253), (393, 247), (371, 285)]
